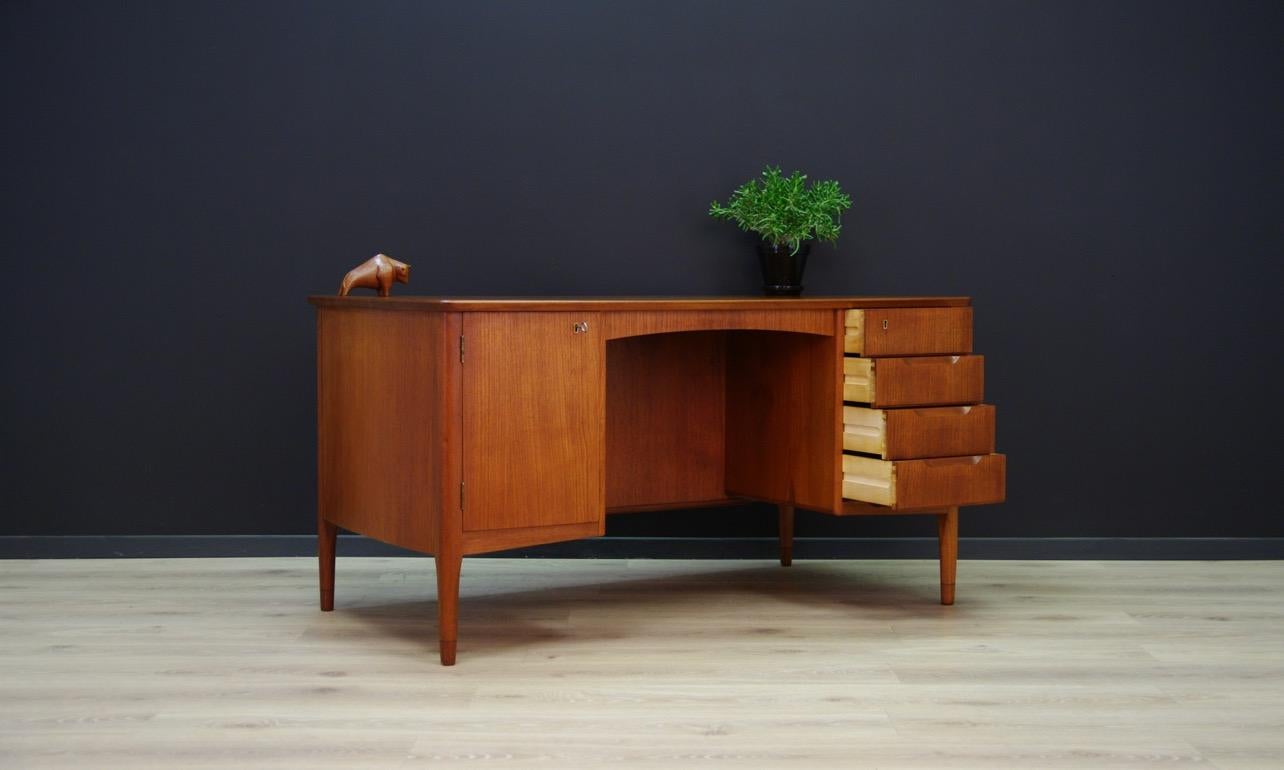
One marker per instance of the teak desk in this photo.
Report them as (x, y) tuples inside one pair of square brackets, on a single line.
[(462, 426)]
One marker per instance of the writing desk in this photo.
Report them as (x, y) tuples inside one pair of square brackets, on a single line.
[(456, 426)]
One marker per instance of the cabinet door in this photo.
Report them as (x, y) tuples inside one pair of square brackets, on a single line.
[(534, 404)]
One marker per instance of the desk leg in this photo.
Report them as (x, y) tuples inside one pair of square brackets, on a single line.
[(327, 534), (947, 529), (448, 565), (786, 534)]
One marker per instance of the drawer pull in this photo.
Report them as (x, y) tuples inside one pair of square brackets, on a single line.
[(964, 410), (940, 461), (580, 327)]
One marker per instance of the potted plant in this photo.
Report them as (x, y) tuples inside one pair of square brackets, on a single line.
[(788, 214)]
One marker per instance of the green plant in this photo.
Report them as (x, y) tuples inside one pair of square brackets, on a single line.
[(786, 210)]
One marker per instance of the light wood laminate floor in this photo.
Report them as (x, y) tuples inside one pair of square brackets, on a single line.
[(227, 663)]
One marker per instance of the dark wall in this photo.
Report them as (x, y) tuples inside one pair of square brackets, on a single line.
[(1104, 178)]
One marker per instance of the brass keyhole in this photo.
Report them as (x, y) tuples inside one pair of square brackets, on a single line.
[(884, 324)]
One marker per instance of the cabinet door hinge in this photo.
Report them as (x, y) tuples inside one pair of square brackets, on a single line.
[(461, 495), (461, 348)]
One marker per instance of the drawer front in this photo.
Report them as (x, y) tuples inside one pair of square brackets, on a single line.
[(909, 331), (926, 381), (895, 434), (939, 482)]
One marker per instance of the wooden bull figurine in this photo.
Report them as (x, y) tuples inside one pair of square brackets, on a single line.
[(378, 272)]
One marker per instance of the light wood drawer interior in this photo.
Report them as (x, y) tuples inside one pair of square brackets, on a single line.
[(919, 381), (909, 331), (895, 434), (912, 484)]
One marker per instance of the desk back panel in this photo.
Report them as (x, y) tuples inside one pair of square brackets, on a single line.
[(665, 414)]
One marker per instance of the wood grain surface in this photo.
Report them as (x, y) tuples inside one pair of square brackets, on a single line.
[(925, 381), (915, 331), (940, 431), (784, 418), (381, 422), (618, 323), (225, 664), (896, 434), (533, 420), (947, 542), (919, 484), (665, 414), (978, 480)]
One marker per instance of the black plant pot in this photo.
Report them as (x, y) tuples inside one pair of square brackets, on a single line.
[(782, 271)]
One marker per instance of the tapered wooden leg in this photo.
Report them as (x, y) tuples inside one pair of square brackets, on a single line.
[(448, 604), (947, 529), (786, 534), (327, 534)]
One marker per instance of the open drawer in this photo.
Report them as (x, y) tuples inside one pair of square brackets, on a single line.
[(941, 431), (908, 484), (908, 331), (926, 381)]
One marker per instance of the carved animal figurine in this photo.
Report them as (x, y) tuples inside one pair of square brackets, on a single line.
[(378, 272)]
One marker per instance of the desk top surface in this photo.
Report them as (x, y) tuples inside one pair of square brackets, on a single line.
[(511, 304)]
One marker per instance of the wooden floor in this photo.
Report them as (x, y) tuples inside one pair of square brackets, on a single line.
[(226, 663)]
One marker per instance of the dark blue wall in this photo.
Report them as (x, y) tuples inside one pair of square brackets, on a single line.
[(1104, 178)]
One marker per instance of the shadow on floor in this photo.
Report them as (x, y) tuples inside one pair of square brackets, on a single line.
[(502, 614)]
